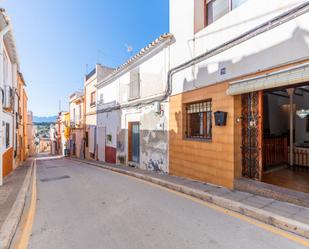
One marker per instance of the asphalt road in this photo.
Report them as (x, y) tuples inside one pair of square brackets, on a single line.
[(81, 206)]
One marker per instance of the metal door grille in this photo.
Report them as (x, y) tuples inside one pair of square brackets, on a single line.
[(251, 135)]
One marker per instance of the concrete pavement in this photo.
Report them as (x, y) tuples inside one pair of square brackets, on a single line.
[(12, 199), (290, 217), (87, 207)]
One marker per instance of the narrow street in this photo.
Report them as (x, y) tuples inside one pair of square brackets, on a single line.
[(81, 206)]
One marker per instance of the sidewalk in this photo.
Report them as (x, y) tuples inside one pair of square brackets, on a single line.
[(10, 189), (289, 217), (12, 197)]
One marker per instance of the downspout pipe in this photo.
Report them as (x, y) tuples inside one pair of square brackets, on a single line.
[(264, 27)]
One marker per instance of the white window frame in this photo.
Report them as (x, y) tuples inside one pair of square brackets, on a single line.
[(133, 84), (206, 11)]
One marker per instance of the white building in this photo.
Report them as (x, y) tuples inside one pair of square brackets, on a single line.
[(53, 139), (236, 57), (9, 67), (90, 82), (108, 120), (136, 130), (77, 142)]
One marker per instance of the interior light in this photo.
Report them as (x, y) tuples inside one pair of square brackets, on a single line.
[(302, 113)]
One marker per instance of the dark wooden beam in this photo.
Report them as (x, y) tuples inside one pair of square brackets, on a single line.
[(280, 95)]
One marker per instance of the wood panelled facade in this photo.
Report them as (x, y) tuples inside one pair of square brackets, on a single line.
[(7, 160), (218, 160)]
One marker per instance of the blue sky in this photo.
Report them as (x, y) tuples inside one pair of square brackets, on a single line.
[(56, 39)]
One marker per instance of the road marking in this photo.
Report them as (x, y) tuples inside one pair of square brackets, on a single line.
[(26, 230), (242, 217)]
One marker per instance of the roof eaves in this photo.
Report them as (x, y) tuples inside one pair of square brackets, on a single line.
[(144, 51), (9, 37)]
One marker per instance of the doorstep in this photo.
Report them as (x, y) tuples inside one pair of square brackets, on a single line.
[(272, 191), (286, 216)]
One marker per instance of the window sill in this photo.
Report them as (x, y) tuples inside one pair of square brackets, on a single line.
[(134, 98), (207, 140)]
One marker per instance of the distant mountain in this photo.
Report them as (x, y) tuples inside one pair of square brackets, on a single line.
[(49, 119)]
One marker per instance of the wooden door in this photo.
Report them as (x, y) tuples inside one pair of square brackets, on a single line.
[(134, 142)]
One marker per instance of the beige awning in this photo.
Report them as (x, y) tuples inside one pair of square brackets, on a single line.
[(289, 76)]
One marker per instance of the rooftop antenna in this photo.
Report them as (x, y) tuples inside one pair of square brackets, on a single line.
[(99, 56), (86, 68)]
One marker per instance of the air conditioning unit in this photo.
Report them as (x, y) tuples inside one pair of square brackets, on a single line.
[(8, 97)]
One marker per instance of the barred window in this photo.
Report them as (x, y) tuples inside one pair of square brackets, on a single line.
[(198, 120)]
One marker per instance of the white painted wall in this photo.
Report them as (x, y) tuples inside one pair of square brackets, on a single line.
[(111, 122), (9, 80), (153, 70), (79, 110), (90, 86), (259, 53), (153, 137)]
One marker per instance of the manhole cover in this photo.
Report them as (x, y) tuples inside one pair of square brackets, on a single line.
[(54, 178)]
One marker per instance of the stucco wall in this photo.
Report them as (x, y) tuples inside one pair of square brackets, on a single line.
[(110, 120), (152, 70), (90, 109), (259, 53), (153, 136)]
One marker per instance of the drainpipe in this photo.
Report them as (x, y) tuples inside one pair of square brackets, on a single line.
[(2, 33), (291, 94)]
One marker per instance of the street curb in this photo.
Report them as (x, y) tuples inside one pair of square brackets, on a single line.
[(10, 224), (278, 221)]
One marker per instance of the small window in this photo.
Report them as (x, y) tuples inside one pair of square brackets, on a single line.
[(74, 115), (92, 98), (7, 135), (236, 3), (215, 9), (134, 87), (199, 120)]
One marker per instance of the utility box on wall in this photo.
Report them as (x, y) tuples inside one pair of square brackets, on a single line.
[(220, 118)]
